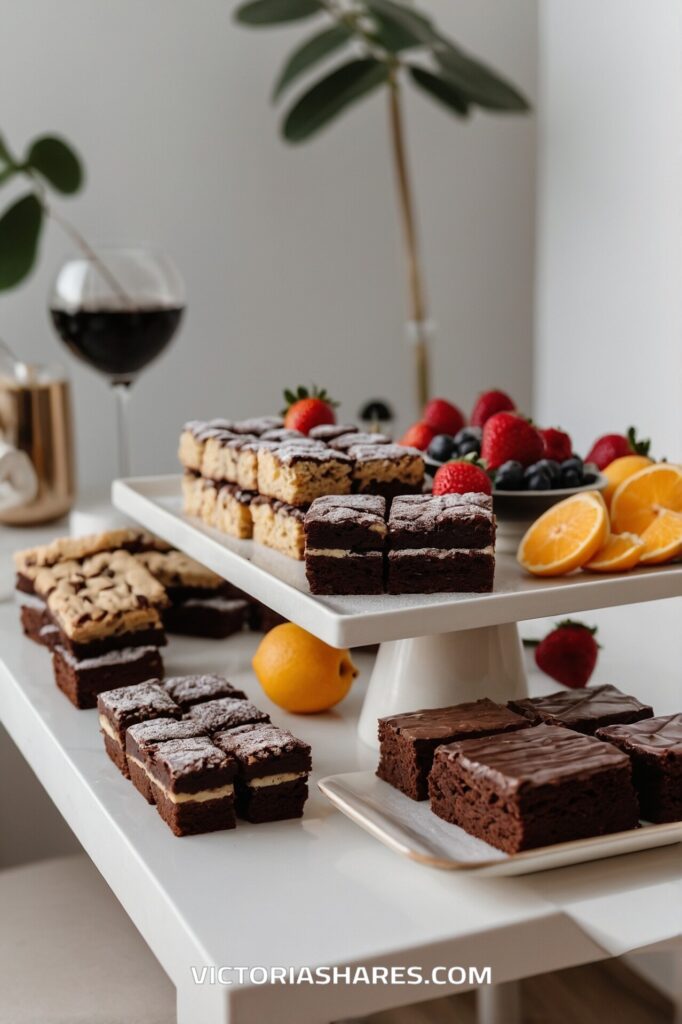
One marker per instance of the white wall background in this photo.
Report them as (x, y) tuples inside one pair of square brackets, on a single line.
[(291, 256)]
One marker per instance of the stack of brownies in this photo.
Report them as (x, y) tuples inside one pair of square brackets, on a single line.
[(426, 544), (197, 749), (254, 478), (539, 771)]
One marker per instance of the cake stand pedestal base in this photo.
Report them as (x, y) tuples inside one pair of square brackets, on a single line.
[(437, 671)]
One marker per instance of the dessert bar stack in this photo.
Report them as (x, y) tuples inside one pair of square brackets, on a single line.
[(428, 544), (540, 771), (198, 750), (256, 479)]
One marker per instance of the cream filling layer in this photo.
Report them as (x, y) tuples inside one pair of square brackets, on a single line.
[(106, 726), (274, 780), (183, 798), (341, 553)]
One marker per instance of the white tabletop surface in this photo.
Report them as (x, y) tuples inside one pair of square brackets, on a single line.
[(317, 891)]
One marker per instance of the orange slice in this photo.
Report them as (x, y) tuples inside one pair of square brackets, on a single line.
[(621, 469), (621, 552), (662, 538), (638, 499), (566, 536)]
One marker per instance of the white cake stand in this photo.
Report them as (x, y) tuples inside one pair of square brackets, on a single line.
[(436, 649)]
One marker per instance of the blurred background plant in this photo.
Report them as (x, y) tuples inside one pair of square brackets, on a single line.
[(384, 43)]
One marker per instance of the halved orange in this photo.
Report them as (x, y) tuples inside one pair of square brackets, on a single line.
[(621, 552), (638, 499), (662, 538), (566, 536), (621, 469)]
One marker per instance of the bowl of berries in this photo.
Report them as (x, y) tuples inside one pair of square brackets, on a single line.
[(525, 468)]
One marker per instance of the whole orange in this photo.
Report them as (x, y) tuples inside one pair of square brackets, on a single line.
[(301, 673)]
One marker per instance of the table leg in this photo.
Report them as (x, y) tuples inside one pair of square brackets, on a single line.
[(499, 1004), (449, 668)]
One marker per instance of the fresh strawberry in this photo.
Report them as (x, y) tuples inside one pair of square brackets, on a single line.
[(461, 476), (488, 404), (307, 409), (419, 435), (557, 444), (507, 436), (568, 654), (614, 446), (443, 416)]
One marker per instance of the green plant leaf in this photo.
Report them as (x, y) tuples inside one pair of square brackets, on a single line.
[(331, 95), (19, 233), (403, 26), (275, 12), (312, 50), (57, 162), (440, 89), (477, 82)]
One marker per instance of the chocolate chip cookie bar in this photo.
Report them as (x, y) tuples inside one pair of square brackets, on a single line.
[(296, 474), (387, 469), (231, 512), (278, 525), (344, 541), (193, 439)]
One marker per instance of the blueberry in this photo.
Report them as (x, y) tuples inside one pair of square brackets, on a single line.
[(551, 467), (441, 448), (571, 477), (509, 476), (467, 447), (574, 463), (469, 434), (539, 481)]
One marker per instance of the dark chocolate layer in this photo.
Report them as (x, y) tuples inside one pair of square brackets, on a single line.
[(584, 710)]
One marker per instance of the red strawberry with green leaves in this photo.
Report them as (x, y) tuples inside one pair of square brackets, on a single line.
[(614, 446), (557, 444), (488, 404), (569, 653), (509, 437), (307, 409), (443, 417), (419, 435), (462, 476)]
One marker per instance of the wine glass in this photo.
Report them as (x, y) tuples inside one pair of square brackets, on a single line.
[(118, 309)]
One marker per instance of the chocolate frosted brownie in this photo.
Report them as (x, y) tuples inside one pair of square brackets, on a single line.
[(535, 787), (654, 747), (298, 473), (81, 679), (408, 742), (272, 771), (344, 540), (387, 469), (278, 525), (33, 615), (441, 544), (226, 713), (141, 737), (193, 785), (584, 710), (190, 690), (125, 706)]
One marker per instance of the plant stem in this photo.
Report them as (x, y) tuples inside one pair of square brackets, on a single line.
[(417, 301)]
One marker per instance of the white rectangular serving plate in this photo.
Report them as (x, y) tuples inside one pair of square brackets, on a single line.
[(410, 828), (278, 581)]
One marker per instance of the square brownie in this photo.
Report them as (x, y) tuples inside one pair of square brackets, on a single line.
[(344, 541), (125, 706), (272, 771), (226, 713), (654, 746), (187, 691), (534, 787), (584, 710), (193, 785), (83, 679), (141, 737), (408, 742)]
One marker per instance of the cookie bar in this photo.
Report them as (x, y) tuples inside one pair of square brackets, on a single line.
[(192, 781), (226, 713), (297, 474), (328, 432), (187, 691), (533, 787), (30, 561), (441, 544), (278, 525), (584, 710), (141, 737), (125, 706), (193, 488), (387, 469), (344, 541), (247, 459), (408, 742), (654, 747), (344, 442), (221, 455), (258, 425), (82, 679), (231, 513), (193, 438), (272, 771)]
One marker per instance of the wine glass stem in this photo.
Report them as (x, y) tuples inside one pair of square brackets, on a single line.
[(122, 392)]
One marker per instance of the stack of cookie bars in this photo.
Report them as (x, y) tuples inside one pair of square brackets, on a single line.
[(255, 479)]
